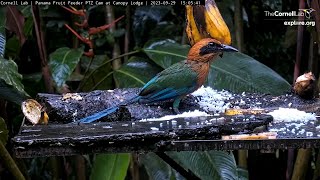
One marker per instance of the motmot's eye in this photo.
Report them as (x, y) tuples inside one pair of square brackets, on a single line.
[(212, 44), (211, 47)]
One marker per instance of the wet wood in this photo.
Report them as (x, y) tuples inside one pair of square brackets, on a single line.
[(66, 109), (67, 139), (124, 131)]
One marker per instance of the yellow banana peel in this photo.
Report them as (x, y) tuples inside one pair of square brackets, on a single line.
[(206, 21)]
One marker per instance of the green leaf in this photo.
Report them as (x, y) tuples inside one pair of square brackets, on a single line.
[(242, 174), (3, 132), (136, 72), (10, 75), (25, 10), (167, 30), (11, 87), (63, 62), (238, 72), (208, 164), (205, 165), (273, 4), (28, 27), (101, 75), (11, 94), (166, 52), (33, 83), (12, 47), (145, 19), (157, 169), (110, 166)]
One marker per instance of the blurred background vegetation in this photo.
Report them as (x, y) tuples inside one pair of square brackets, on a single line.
[(42, 55)]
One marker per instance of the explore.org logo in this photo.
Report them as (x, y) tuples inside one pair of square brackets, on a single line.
[(286, 17)]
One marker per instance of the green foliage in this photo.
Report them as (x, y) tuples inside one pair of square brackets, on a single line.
[(11, 82), (273, 4), (11, 94), (33, 83), (62, 63), (238, 72), (146, 18), (13, 48), (39, 168), (28, 27), (266, 40), (242, 174), (11, 87), (157, 169), (3, 132), (166, 52), (208, 164), (110, 166), (100, 77), (205, 165), (136, 72), (25, 10)]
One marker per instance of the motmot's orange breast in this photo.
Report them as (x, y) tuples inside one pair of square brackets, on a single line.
[(202, 69)]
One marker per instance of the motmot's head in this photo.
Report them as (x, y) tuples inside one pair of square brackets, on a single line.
[(207, 49)]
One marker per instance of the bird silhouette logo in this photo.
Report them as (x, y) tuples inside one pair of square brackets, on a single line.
[(307, 12)]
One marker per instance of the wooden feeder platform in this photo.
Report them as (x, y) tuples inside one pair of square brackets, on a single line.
[(126, 131)]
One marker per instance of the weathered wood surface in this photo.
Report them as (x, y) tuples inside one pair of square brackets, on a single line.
[(71, 109), (130, 136), (125, 133)]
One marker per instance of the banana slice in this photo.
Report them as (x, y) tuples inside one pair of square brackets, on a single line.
[(34, 112)]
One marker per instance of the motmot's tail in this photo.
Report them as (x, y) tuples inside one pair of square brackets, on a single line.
[(103, 113), (98, 115)]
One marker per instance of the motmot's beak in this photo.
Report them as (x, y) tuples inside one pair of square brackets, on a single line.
[(226, 48), (216, 48)]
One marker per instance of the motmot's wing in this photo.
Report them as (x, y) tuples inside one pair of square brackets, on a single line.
[(175, 81)]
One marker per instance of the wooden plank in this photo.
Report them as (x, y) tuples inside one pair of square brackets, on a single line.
[(138, 136), (64, 110), (126, 133)]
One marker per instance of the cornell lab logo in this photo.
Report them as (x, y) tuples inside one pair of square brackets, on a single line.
[(307, 12), (301, 12)]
